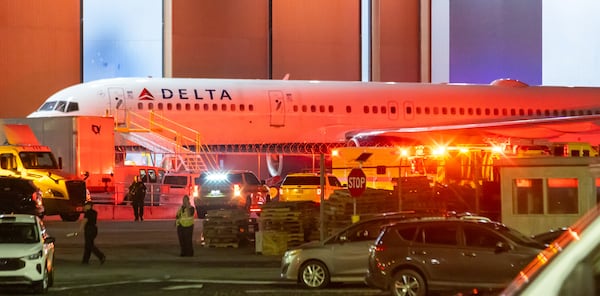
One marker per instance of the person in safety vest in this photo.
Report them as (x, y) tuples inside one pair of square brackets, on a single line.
[(185, 227)]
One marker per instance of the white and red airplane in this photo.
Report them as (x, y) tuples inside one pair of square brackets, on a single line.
[(243, 111)]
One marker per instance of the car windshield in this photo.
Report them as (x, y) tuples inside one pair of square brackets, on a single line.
[(38, 160), (302, 180), (175, 180), (18, 233), (519, 237)]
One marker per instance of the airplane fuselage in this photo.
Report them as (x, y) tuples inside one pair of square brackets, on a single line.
[(234, 111)]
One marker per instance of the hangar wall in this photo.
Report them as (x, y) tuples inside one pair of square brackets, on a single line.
[(39, 52)]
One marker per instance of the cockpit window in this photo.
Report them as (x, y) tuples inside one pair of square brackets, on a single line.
[(48, 106), (73, 106), (60, 106)]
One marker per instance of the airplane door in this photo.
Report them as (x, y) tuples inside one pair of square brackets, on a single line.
[(409, 110), (277, 108), (116, 103)]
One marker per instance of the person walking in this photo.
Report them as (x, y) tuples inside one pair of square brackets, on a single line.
[(137, 194), (185, 227), (90, 231)]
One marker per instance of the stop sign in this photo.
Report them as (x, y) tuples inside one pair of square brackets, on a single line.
[(357, 182)]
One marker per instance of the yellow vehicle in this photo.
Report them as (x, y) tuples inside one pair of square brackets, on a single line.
[(62, 194), (307, 187)]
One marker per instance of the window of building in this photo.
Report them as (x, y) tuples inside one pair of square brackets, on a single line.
[(528, 196), (562, 196)]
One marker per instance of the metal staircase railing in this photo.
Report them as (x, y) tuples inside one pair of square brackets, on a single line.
[(180, 144)]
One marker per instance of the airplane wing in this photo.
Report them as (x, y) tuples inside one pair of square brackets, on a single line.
[(540, 128)]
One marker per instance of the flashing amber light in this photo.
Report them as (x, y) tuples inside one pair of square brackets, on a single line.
[(439, 151), (497, 149), (463, 150), (403, 152), (335, 152)]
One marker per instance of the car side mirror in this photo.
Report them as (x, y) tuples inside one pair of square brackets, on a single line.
[(501, 247)]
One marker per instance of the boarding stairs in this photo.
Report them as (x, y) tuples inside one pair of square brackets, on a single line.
[(180, 146)]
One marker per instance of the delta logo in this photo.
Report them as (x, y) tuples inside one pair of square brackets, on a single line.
[(145, 95)]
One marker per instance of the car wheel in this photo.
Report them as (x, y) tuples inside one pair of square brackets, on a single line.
[(314, 275), (41, 287), (408, 282)]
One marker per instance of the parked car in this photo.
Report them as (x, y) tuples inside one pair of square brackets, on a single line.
[(416, 257), (307, 187), (26, 252), (176, 185), (230, 189), (570, 265), (20, 196), (340, 258)]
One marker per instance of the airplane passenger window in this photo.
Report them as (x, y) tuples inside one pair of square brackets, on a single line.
[(205, 107), (521, 112), (496, 111), (73, 106), (187, 107), (418, 110), (580, 112), (513, 112), (348, 109), (215, 107), (295, 108), (178, 107), (504, 112), (461, 111), (223, 107), (250, 107), (330, 109), (444, 110), (160, 106), (546, 112), (304, 108), (169, 106), (478, 111), (563, 112), (453, 111), (383, 110), (322, 109), (409, 110), (393, 109), (374, 109), (140, 106), (366, 109), (197, 107), (232, 107), (435, 110), (427, 110), (150, 106), (529, 112), (242, 107), (470, 111), (313, 108), (538, 112)]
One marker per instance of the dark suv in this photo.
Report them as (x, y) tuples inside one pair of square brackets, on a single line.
[(230, 189), (20, 196), (416, 257)]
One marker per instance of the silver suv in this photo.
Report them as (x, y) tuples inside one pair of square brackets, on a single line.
[(416, 257)]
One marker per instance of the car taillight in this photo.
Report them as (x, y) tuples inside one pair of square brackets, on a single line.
[(37, 197), (237, 190), (196, 191), (281, 191)]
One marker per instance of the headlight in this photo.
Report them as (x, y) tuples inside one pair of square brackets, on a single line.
[(288, 256), (34, 256)]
